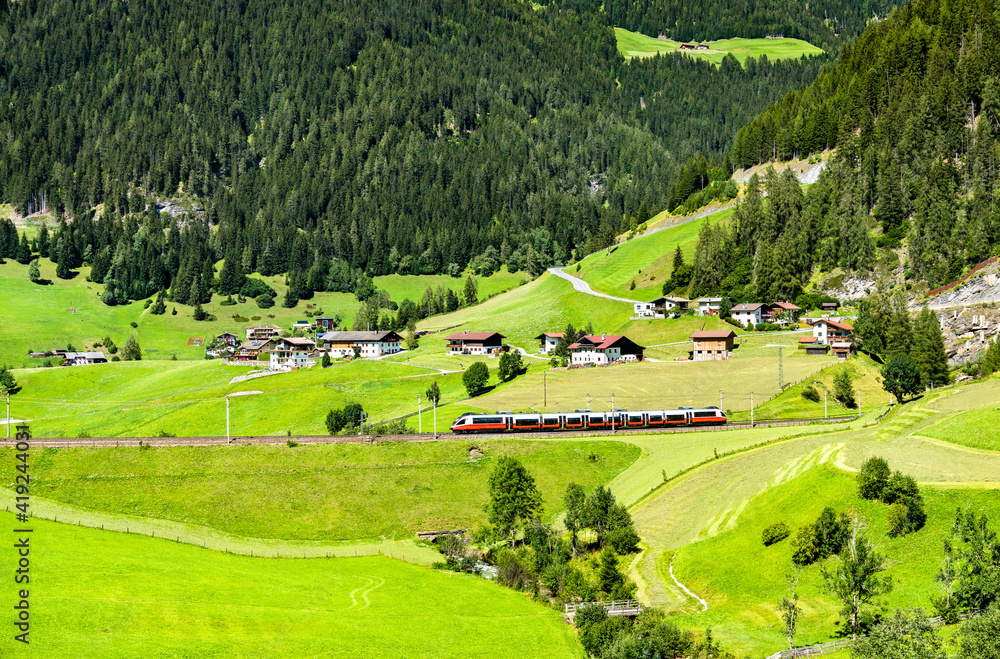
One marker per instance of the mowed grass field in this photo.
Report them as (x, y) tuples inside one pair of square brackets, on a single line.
[(632, 44), (318, 492), (102, 594), (711, 516), (742, 580), (647, 260), (546, 304), (44, 317)]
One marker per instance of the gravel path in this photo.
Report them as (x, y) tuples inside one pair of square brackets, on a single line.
[(584, 287)]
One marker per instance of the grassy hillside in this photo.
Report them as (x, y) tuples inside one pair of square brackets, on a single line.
[(544, 305), (38, 317), (743, 580), (647, 260), (632, 44), (328, 492), (103, 594)]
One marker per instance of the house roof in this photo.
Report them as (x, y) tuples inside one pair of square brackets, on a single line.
[(709, 300), (830, 304), (268, 326), (85, 355), (473, 336), (712, 334), (255, 344), (225, 334), (362, 336), (675, 300), (807, 339), (786, 306), (747, 306), (551, 335), (841, 345), (833, 323), (298, 341), (602, 342)]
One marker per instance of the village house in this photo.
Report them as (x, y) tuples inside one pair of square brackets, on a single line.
[(252, 350), (325, 324), (81, 358), (643, 310), (748, 312), (475, 343), (257, 332), (829, 307), (702, 46), (604, 349), (842, 349), (363, 343), (229, 339), (665, 305), (687, 46), (292, 353), (302, 325), (779, 312), (827, 331), (712, 345), (548, 341), (709, 306)]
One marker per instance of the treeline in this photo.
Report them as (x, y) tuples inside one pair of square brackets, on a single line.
[(394, 138), (913, 107), (826, 23)]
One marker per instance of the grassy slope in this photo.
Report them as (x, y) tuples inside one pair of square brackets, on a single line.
[(544, 305), (743, 580), (103, 594), (327, 492), (37, 317), (631, 44), (613, 271), (975, 429)]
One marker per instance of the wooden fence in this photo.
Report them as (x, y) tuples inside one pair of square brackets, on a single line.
[(813, 650), (613, 608)]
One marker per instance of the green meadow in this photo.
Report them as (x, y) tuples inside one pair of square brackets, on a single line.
[(40, 317), (646, 260), (318, 492), (632, 44), (101, 594)]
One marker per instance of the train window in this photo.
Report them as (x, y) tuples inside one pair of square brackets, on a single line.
[(488, 419), (635, 418), (676, 417), (525, 422), (704, 414), (550, 420), (597, 420), (655, 418), (573, 421)]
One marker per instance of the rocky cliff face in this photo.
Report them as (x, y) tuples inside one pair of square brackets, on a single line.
[(968, 331)]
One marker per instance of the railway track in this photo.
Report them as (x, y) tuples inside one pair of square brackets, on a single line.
[(111, 442)]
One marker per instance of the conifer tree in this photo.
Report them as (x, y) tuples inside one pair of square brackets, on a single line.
[(899, 332), (24, 251), (928, 349), (34, 274), (62, 268)]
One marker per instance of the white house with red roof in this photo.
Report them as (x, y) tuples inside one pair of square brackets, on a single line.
[(604, 349), (827, 331), (748, 312), (548, 341), (475, 343)]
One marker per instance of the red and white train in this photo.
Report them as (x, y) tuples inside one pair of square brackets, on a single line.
[(471, 422)]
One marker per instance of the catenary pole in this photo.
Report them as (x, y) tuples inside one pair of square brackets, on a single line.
[(751, 409), (612, 413), (227, 420), (420, 420)]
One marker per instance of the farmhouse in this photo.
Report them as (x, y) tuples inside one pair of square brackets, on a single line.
[(702, 46), (712, 345), (263, 332), (303, 325), (829, 307), (827, 331), (229, 339), (253, 349), (687, 46), (81, 358), (291, 353), (782, 311), (666, 305), (474, 343), (548, 341), (604, 349), (364, 343), (708, 306), (643, 310), (325, 324), (842, 349), (748, 312)]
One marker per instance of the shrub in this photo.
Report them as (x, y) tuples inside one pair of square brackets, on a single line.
[(898, 521), (475, 378), (767, 327), (264, 301), (872, 478), (239, 319), (810, 393), (775, 533), (804, 546), (134, 324), (624, 540), (291, 443)]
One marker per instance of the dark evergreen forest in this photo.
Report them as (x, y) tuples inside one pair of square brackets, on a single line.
[(913, 108), (331, 140)]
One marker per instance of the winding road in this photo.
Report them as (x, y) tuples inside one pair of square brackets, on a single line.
[(584, 287)]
